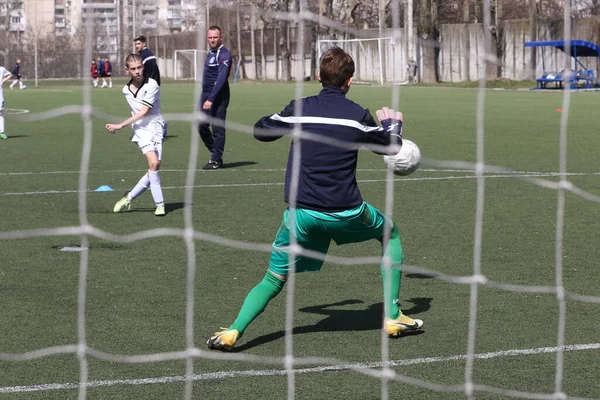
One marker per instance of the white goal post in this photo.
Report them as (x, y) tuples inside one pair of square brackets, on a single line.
[(185, 64), (377, 60)]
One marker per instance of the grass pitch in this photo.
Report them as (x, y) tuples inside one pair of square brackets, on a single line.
[(136, 292)]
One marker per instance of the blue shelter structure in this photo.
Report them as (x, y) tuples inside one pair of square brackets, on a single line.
[(574, 77)]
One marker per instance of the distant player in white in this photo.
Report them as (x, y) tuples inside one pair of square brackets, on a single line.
[(4, 76), (143, 96)]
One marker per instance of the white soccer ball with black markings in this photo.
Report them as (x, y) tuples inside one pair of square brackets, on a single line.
[(406, 161)]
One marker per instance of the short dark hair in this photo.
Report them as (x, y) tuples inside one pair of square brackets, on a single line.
[(140, 38), (335, 67), (132, 58), (214, 28)]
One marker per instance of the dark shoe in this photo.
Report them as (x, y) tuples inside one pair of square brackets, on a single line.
[(213, 165)]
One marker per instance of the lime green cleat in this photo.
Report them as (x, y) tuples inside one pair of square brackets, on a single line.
[(223, 340), (402, 324), (122, 205), (3, 136), (160, 211)]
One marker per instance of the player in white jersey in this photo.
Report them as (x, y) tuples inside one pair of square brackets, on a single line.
[(143, 96), (4, 76)]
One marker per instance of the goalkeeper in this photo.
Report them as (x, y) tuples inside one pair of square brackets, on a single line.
[(329, 205)]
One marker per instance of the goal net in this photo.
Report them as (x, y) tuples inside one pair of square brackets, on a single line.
[(187, 64), (377, 60), (500, 236)]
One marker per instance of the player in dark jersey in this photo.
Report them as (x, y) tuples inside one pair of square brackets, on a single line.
[(94, 72), (108, 72), (328, 204), (17, 75), (148, 59)]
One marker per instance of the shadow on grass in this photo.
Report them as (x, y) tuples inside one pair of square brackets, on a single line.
[(426, 275), (170, 207), (340, 320), (16, 136), (237, 164)]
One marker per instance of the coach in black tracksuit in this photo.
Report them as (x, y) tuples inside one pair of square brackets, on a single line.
[(215, 96), (148, 59)]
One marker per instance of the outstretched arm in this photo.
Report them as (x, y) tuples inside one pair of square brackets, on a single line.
[(273, 127), (390, 133), (136, 117)]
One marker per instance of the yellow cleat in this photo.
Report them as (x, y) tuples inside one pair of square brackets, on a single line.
[(402, 324), (122, 205), (160, 211), (223, 340)]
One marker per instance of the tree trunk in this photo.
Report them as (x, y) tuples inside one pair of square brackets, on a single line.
[(532, 37), (284, 41), (466, 15), (242, 71), (285, 51), (466, 11), (428, 32), (500, 44), (253, 44)]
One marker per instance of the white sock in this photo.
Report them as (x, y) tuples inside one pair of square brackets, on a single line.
[(1, 123), (155, 187), (140, 188), (20, 84), (13, 84)]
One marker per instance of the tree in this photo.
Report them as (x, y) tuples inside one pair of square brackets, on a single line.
[(428, 31)]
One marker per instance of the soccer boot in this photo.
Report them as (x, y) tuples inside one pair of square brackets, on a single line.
[(212, 164), (402, 324), (122, 205), (223, 340), (3, 136), (160, 211)]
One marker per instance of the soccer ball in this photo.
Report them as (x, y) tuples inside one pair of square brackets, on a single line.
[(406, 161)]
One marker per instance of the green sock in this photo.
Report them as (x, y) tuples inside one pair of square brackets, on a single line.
[(392, 278), (257, 301)]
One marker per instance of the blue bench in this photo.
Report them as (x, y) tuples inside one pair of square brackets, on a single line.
[(586, 77)]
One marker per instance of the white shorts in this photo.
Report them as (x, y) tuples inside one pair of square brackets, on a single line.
[(149, 138)]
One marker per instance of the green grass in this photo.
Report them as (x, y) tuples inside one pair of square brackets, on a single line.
[(136, 292)]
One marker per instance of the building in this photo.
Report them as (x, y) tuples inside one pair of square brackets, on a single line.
[(114, 21)]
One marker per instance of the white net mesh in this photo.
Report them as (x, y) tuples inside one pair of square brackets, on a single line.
[(378, 60)]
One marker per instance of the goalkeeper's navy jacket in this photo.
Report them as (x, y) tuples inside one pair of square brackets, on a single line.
[(216, 71), (327, 179), (150, 66)]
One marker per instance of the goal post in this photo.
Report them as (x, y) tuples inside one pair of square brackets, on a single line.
[(377, 60), (186, 64)]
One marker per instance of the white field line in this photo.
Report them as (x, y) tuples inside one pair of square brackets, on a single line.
[(14, 111), (281, 372), (239, 170), (403, 179)]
